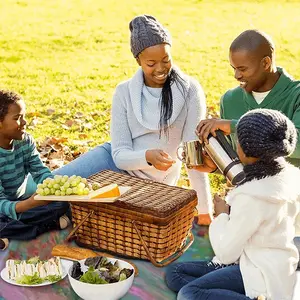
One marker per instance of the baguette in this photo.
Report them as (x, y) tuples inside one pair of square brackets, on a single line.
[(76, 253), (73, 253)]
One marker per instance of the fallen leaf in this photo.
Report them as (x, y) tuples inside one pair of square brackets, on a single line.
[(88, 125), (79, 143), (69, 123), (33, 114), (78, 114), (33, 122), (57, 147), (55, 163), (50, 111), (77, 121), (83, 136), (56, 155)]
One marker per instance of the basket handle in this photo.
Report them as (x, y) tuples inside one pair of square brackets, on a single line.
[(168, 260), (72, 233)]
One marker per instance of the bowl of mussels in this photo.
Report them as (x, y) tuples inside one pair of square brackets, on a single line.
[(101, 278)]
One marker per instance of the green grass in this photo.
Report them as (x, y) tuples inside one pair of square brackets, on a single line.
[(70, 54)]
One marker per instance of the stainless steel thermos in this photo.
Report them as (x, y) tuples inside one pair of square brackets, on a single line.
[(226, 159)]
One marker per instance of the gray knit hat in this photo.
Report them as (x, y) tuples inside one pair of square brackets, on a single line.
[(146, 31), (266, 133)]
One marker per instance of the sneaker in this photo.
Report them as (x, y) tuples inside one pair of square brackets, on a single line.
[(203, 219), (3, 243), (64, 222)]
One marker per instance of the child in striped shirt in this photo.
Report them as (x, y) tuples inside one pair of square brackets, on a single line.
[(22, 217)]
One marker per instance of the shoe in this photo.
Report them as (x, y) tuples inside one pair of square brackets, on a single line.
[(203, 219), (4, 243), (64, 222)]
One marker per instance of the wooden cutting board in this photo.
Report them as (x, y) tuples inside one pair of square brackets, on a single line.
[(87, 198)]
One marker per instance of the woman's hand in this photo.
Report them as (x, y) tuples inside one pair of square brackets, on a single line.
[(220, 206), (205, 127), (159, 159)]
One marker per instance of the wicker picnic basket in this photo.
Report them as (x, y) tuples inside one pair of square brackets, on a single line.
[(151, 221)]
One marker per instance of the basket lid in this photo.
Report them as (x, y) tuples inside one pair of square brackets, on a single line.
[(146, 196)]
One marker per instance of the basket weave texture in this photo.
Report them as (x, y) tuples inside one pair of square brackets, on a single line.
[(150, 213)]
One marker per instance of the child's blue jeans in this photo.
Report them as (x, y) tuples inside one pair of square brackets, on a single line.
[(33, 222), (41, 219), (206, 280)]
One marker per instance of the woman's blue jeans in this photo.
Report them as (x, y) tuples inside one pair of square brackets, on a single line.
[(91, 162), (206, 280)]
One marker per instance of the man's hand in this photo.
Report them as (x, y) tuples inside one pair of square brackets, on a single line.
[(205, 127), (159, 159), (30, 203), (220, 206), (208, 164)]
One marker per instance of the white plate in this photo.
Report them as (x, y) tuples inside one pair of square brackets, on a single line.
[(65, 267), (77, 198)]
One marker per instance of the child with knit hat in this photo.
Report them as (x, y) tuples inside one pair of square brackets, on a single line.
[(152, 114), (253, 240)]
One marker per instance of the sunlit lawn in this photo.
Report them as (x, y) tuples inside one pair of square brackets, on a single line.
[(69, 55)]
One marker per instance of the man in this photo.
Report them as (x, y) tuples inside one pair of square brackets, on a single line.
[(262, 85)]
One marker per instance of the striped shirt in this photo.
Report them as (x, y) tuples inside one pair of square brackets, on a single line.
[(15, 165)]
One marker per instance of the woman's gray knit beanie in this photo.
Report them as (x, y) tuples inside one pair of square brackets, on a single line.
[(146, 32)]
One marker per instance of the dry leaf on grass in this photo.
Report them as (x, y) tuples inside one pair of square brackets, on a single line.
[(83, 136), (35, 121), (55, 153), (69, 123), (78, 115), (87, 125), (50, 111)]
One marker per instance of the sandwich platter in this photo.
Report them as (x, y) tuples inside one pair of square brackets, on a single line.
[(34, 272)]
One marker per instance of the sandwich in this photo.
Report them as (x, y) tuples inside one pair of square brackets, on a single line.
[(34, 270)]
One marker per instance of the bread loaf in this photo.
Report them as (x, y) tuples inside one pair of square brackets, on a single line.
[(76, 253), (73, 253)]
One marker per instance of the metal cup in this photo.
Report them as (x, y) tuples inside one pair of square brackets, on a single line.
[(193, 153)]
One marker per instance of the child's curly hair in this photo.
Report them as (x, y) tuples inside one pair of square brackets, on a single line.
[(6, 99)]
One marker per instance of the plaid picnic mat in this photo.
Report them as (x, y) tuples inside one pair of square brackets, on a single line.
[(148, 285)]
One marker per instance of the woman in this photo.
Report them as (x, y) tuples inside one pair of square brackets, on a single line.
[(152, 114)]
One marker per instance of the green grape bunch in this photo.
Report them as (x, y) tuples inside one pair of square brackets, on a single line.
[(63, 186)]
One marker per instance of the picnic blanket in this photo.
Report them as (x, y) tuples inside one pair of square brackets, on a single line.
[(148, 285)]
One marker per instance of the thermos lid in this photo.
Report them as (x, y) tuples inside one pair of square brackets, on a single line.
[(238, 179)]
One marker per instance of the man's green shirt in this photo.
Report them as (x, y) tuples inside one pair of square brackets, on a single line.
[(284, 96)]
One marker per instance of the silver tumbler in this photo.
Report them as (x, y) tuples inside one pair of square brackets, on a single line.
[(193, 153)]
